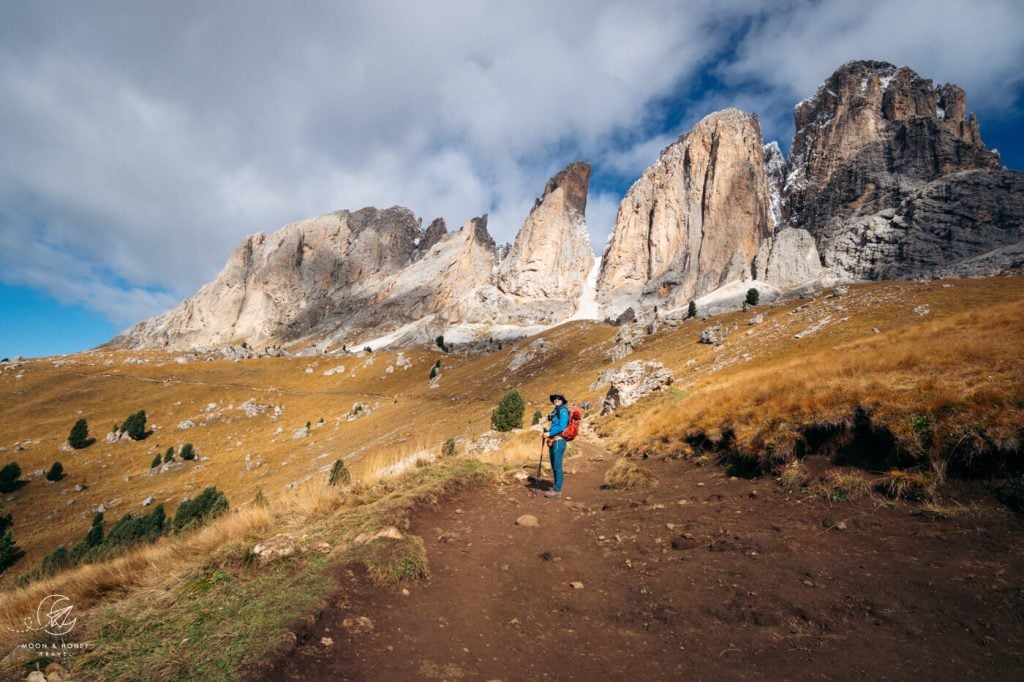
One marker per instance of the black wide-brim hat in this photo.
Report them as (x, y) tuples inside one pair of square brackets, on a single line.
[(559, 396)]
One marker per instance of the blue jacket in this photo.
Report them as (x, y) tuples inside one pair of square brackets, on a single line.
[(559, 420)]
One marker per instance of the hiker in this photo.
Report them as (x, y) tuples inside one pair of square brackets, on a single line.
[(559, 419)]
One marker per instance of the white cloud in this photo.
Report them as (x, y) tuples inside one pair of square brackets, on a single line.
[(141, 142), (976, 45)]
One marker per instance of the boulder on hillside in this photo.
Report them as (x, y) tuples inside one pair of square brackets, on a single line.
[(521, 358), (627, 340), (713, 335), (633, 381), (281, 545)]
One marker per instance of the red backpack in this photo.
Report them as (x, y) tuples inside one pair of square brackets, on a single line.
[(573, 429)]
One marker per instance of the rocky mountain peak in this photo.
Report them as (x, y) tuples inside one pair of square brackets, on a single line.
[(475, 231), (695, 219), (552, 255), (871, 137), (574, 181), (435, 233)]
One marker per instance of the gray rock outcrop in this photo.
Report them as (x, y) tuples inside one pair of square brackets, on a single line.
[(694, 220), (280, 546), (435, 233), (788, 259), (891, 177), (283, 286), (631, 382)]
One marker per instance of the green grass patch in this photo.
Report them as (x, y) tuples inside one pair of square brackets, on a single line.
[(231, 612), (391, 561)]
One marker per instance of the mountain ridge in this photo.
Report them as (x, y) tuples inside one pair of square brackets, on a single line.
[(887, 177)]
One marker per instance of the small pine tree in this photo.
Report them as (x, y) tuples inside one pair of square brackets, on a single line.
[(433, 372), (187, 452), (691, 311), (135, 425), (537, 416), (9, 477), (368, 349), (154, 522), (448, 449), (753, 296), (309, 425), (54, 561), (156, 461), (79, 437), (56, 472), (94, 537), (339, 473), (9, 552), (440, 343), (210, 503), (508, 414), (169, 455)]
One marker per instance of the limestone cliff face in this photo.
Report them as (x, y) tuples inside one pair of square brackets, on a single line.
[(695, 219), (275, 288), (867, 146), (345, 277), (551, 255)]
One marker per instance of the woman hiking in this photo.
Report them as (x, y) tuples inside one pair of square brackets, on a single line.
[(559, 419)]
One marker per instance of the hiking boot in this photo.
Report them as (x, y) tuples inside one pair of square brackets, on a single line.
[(553, 493)]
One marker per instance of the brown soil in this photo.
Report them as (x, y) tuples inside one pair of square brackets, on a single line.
[(702, 577)]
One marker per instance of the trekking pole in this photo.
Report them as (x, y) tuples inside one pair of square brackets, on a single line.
[(541, 460)]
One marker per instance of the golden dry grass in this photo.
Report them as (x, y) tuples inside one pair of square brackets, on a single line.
[(948, 389), (626, 474), (842, 486)]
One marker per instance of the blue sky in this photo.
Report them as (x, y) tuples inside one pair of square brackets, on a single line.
[(142, 142)]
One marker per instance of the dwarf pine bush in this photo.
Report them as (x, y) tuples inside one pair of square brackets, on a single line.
[(56, 472), (339, 473), (79, 437), (508, 414), (135, 425), (195, 512), (9, 477)]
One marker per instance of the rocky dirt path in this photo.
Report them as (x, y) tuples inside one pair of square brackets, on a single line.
[(703, 577)]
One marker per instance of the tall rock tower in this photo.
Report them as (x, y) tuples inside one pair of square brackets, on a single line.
[(694, 220), (890, 176)]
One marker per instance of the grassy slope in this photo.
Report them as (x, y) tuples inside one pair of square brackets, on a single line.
[(942, 392), (962, 359)]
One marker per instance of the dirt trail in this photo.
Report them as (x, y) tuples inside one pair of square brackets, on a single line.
[(703, 577)]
